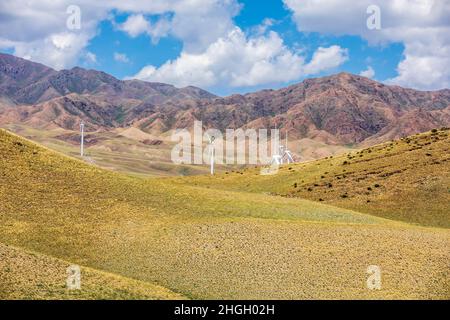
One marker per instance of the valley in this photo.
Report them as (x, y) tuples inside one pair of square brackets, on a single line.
[(205, 242)]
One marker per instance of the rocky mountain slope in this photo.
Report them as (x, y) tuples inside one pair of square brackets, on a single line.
[(341, 109)]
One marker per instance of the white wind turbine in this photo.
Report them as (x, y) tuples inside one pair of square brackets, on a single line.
[(211, 153), (82, 139), (287, 153), (277, 158)]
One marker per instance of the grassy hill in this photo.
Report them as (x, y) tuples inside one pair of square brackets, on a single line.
[(29, 275), (134, 152), (129, 151), (202, 242), (406, 180)]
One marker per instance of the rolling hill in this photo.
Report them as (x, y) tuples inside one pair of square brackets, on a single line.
[(29, 275), (406, 180), (199, 240)]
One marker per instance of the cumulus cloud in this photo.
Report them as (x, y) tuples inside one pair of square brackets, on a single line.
[(58, 50), (197, 23), (135, 25), (215, 51), (121, 57), (326, 58), (38, 30), (239, 60), (203, 22), (368, 73), (262, 28), (421, 25), (91, 57)]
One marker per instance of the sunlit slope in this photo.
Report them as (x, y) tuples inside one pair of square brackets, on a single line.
[(406, 180), (205, 243), (28, 275), (121, 150), (35, 179)]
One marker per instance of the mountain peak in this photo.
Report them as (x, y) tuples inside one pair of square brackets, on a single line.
[(338, 109), (27, 82)]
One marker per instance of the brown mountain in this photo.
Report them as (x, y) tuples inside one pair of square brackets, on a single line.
[(343, 107), (26, 82), (339, 109)]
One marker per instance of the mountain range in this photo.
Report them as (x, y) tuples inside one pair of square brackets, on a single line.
[(340, 109)]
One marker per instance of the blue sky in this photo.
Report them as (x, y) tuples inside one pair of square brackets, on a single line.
[(236, 46)]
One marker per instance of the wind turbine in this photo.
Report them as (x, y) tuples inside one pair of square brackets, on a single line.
[(211, 153), (277, 159), (286, 153), (82, 138), (275, 163)]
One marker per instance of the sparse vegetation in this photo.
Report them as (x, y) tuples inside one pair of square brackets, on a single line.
[(406, 181), (214, 243), (29, 275)]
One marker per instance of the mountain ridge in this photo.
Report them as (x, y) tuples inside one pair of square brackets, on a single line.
[(21, 72), (340, 109)]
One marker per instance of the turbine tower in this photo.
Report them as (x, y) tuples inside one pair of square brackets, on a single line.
[(82, 138), (287, 153), (211, 153), (277, 159)]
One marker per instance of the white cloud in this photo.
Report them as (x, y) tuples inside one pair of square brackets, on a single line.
[(135, 25), (368, 73), (37, 29), (326, 58), (198, 23), (57, 50), (262, 28), (215, 51), (121, 57), (422, 26), (240, 61), (91, 57)]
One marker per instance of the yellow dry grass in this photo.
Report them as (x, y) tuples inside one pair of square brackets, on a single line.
[(208, 243), (118, 150), (29, 275), (406, 180)]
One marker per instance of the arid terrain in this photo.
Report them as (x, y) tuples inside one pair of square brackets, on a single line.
[(211, 238)]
